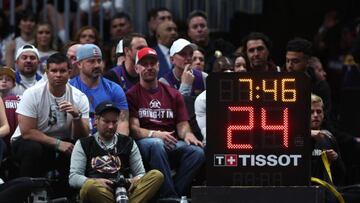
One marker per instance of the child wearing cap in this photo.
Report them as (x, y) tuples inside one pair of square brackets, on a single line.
[(7, 80)]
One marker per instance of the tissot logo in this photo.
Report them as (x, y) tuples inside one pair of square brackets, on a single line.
[(228, 160), (233, 160), (155, 104)]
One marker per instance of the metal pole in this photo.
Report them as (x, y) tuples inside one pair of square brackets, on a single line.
[(67, 19), (112, 8), (12, 13), (44, 10), (78, 22), (55, 27), (101, 21), (90, 14), (34, 4)]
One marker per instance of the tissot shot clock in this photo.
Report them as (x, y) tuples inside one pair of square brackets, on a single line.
[(258, 129)]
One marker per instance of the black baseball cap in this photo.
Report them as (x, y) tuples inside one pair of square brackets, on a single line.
[(106, 106)]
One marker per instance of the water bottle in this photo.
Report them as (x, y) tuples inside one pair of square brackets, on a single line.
[(184, 199)]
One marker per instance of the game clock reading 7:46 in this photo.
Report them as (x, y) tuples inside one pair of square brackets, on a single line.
[(258, 129)]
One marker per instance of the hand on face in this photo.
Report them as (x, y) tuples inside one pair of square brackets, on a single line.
[(187, 76)]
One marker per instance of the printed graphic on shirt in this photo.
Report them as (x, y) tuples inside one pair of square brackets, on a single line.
[(106, 164), (155, 111)]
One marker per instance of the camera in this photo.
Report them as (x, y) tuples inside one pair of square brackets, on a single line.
[(120, 189)]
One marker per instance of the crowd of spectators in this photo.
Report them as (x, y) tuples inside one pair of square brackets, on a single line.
[(124, 99)]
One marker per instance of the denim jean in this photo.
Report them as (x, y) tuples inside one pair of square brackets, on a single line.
[(185, 159)]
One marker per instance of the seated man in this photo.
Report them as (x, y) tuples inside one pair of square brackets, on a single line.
[(324, 141), (97, 160), (159, 122), (189, 81), (50, 115), (96, 88)]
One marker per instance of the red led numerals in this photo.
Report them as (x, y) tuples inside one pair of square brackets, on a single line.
[(249, 126), (245, 127), (284, 127)]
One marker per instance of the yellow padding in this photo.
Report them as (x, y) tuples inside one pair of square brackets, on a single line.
[(326, 164), (330, 188)]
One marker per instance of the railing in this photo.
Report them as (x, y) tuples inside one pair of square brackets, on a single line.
[(219, 11)]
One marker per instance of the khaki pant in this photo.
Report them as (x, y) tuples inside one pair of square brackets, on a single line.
[(144, 189)]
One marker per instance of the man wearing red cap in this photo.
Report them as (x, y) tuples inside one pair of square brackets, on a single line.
[(159, 123)]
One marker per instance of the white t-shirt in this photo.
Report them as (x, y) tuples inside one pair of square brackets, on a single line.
[(37, 102), (25, 84), (200, 112)]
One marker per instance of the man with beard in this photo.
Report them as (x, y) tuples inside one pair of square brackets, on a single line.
[(159, 123), (256, 47), (298, 53), (97, 160), (96, 88), (166, 34), (51, 115), (125, 74), (27, 62)]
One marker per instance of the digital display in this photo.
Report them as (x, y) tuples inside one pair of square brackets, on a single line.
[(258, 129)]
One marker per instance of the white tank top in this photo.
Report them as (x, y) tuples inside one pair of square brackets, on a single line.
[(19, 42)]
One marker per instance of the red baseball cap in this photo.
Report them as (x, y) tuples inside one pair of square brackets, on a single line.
[(146, 51)]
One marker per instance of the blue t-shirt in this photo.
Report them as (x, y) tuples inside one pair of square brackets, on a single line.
[(105, 91)]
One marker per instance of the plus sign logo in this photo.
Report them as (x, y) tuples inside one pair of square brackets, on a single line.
[(231, 160), (225, 160)]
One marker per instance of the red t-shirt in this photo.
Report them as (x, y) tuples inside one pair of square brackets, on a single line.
[(159, 109), (10, 103)]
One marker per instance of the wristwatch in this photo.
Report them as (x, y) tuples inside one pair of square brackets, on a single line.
[(78, 117)]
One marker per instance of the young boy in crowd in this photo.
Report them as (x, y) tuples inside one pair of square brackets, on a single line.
[(7, 80)]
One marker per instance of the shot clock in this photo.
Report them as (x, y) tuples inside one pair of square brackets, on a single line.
[(258, 131)]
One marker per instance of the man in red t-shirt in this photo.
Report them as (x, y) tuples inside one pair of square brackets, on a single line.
[(159, 123)]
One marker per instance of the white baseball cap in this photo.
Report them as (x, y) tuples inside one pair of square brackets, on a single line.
[(27, 47), (179, 45)]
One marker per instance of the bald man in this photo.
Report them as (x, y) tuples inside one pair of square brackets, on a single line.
[(71, 54), (166, 34)]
